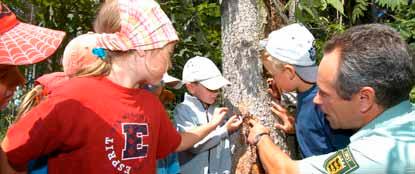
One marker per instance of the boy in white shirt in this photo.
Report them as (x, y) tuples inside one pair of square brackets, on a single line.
[(212, 154)]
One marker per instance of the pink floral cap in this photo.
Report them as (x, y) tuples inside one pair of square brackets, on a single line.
[(144, 26)]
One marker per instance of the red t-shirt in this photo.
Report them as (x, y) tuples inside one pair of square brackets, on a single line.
[(91, 125)]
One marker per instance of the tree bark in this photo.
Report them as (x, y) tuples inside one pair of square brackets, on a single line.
[(244, 23)]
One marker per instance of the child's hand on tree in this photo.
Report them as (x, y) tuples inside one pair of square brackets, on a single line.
[(233, 124), (218, 115), (288, 121)]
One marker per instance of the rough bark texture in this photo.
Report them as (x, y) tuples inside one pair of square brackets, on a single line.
[(244, 23)]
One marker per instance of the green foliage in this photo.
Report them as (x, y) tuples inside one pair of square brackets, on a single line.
[(199, 26), (392, 4), (322, 22), (359, 9), (404, 21), (337, 4), (412, 95), (321, 19)]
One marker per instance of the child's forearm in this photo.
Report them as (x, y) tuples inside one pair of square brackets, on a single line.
[(211, 140), (191, 137)]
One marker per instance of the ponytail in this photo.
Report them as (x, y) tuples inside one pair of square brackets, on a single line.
[(30, 100)]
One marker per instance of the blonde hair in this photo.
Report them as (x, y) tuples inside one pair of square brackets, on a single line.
[(277, 64), (29, 100), (107, 21), (98, 68)]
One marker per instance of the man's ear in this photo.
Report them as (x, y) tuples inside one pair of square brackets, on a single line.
[(367, 99)]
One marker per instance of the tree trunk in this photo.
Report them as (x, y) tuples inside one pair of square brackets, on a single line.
[(244, 23)]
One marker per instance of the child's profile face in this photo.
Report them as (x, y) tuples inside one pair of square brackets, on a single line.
[(281, 76), (158, 62), (204, 94)]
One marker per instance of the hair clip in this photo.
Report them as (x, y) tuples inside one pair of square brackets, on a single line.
[(100, 53)]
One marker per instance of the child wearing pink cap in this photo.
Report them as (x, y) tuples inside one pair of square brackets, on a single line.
[(103, 122), (77, 55)]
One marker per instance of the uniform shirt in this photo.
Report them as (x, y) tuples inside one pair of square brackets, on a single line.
[(92, 125), (384, 145), (313, 132), (212, 154)]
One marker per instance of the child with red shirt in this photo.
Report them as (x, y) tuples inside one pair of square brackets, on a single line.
[(102, 122)]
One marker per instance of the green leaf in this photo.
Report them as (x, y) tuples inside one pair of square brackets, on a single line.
[(309, 11), (392, 4), (337, 4), (359, 9), (412, 95), (288, 4), (323, 4)]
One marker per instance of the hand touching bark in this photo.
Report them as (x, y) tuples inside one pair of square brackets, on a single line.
[(233, 124), (255, 129), (218, 115), (288, 121)]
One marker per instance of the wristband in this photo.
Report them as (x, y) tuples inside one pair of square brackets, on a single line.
[(258, 137)]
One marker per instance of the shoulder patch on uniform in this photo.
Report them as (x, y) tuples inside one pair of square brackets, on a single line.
[(341, 162)]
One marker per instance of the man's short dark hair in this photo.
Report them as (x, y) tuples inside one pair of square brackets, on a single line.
[(376, 56)]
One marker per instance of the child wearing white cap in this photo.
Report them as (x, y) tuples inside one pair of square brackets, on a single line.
[(290, 57), (212, 154)]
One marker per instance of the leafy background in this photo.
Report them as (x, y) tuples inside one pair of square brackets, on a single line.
[(198, 23)]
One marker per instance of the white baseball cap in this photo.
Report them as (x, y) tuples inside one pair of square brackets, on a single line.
[(204, 71), (168, 79), (293, 44)]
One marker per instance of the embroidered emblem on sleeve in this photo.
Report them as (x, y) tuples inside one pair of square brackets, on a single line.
[(341, 162)]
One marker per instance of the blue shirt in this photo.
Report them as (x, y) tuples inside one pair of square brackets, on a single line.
[(168, 165), (313, 131), (38, 166)]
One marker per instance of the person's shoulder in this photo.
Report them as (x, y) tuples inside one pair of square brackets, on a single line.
[(182, 106), (77, 87), (77, 83), (184, 109), (308, 104)]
